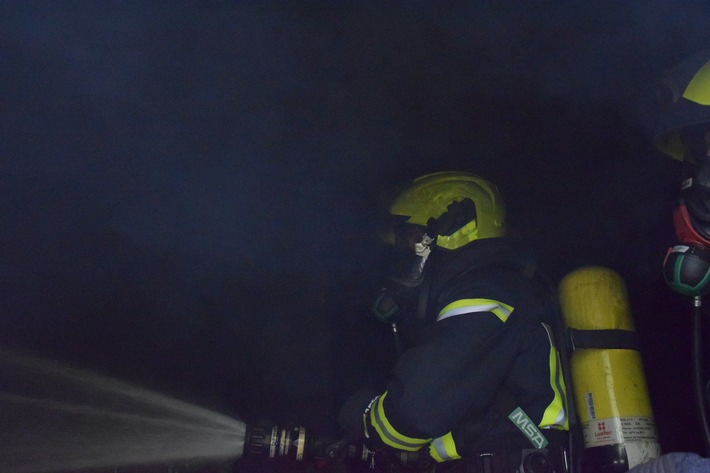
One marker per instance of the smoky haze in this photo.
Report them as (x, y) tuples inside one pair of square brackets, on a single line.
[(189, 192)]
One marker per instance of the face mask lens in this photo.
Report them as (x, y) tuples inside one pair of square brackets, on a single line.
[(407, 268), (407, 235)]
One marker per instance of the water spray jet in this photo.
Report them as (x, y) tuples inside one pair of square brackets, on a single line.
[(56, 418)]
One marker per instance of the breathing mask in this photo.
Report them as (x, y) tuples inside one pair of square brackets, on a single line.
[(407, 272)]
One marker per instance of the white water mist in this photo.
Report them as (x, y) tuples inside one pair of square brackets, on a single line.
[(57, 418)]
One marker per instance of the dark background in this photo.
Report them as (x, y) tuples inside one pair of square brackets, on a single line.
[(189, 190)]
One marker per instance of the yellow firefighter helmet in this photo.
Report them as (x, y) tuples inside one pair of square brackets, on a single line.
[(461, 207), (684, 101)]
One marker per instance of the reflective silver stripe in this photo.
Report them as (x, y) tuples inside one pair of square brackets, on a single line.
[(389, 437), (441, 452), (502, 311), (438, 445)]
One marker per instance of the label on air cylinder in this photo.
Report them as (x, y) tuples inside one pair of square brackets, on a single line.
[(600, 432), (641, 452), (637, 434)]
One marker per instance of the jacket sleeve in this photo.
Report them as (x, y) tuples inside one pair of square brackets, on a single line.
[(454, 373)]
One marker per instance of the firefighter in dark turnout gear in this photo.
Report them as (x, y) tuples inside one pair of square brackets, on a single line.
[(482, 379), (683, 133)]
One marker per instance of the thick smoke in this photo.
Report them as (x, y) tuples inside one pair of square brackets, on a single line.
[(189, 191)]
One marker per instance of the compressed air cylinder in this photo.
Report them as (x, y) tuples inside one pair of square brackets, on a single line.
[(608, 379)]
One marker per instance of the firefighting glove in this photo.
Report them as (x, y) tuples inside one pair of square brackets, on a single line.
[(351, 415)]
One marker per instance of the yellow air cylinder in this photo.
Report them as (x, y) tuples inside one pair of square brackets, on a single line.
[(608, 379)]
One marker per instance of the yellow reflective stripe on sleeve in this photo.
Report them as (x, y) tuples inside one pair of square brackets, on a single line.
[(555, 414), (467, 306), (443, 449), (387, 433)]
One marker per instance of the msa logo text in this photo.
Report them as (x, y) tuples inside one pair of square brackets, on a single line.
[(528, 427)]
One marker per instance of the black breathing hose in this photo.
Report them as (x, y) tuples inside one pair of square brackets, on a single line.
[(698, 372)]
